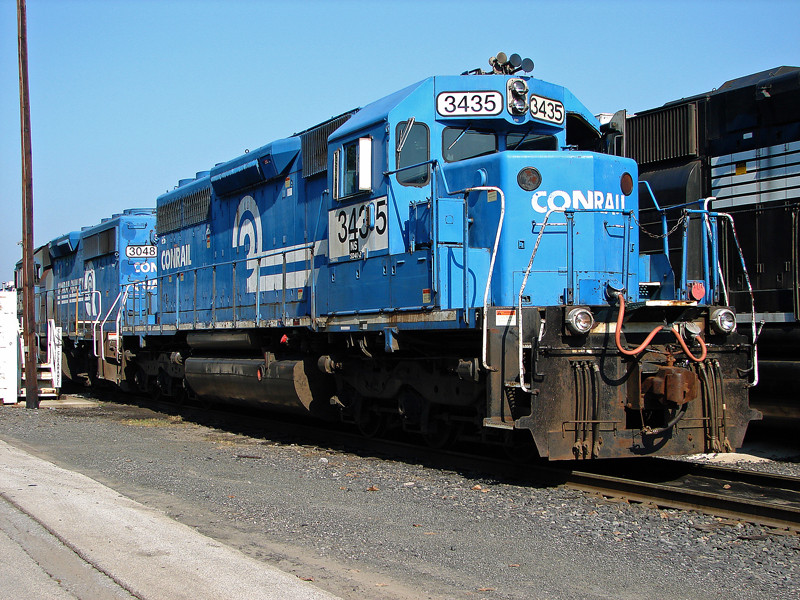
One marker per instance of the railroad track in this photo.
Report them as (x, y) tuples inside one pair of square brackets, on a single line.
[(765, 499)]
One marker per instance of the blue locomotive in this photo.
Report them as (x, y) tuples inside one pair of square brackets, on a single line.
[(87, 281), (459, 259)]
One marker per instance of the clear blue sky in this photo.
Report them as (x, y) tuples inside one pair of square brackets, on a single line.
[(128, 97)]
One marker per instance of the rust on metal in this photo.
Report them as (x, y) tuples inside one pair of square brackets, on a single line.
[(670, 384)]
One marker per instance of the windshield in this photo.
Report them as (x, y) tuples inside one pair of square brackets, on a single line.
[(460, 144), (531, 141)]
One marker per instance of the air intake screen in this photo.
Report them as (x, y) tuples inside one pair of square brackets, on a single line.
[(314, 144), (100, 243), (666, 134), (184, 211)]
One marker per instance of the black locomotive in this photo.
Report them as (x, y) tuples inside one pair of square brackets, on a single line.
[(739, 145)]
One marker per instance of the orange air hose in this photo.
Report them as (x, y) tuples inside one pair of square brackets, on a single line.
[(652, 334)]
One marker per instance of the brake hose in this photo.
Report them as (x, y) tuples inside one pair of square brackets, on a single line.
[(679, 414), (651, 335)]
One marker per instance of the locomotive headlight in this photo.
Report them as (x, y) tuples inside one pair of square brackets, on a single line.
[(579, 320), (723, 321), (518, 87), (517, 96), (517, 106), (529, 179)]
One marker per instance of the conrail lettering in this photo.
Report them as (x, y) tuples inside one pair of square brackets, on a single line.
[(578, 200), (177, 257)]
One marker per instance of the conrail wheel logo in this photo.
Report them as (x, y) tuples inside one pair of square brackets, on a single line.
[(247, 234), (90, 301), (578, 200), (285, 267)]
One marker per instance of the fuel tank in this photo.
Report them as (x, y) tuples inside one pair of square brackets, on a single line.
[(288, 385)]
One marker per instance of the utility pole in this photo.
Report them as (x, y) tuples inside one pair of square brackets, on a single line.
[(29, 316)]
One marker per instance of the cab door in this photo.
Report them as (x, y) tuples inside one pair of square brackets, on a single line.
[(411, 190)]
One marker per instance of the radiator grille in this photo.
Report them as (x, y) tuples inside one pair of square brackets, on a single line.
[(100, 243), (184, 211), (314, 144), (666, 134)]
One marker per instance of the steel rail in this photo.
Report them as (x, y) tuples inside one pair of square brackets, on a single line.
[(770, 500)]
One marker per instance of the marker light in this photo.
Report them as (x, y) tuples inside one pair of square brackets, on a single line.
[(626, 184), (579, 320), (529, 179), (517, 96), (723, 321)]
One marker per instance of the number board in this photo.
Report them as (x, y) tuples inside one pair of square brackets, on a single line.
[(140, 251), (469, 104), (354, 229), (546, 109)]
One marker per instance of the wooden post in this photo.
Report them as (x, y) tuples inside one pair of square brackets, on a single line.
[(28, 290)]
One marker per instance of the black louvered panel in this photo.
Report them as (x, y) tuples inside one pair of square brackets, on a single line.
[(195, 207), (665, 134), (183, 211), (314, 144)]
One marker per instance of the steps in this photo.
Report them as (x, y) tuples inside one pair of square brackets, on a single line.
[(48, 374), (44, 380)]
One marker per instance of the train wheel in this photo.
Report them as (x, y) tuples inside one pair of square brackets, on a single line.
[(440, 433), (139, 380), (179, 394), (371, 423)]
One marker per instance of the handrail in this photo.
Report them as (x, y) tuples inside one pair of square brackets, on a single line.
[(102, 326), (80, 296), (91, 294), (307, 265), (522, 384), (754, 332), (488, 188), (119, 315), (663, 216)]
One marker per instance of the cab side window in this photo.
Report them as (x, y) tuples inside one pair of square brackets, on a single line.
[(352, 168), (413, 147)]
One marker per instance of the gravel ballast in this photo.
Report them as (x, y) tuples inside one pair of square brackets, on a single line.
[(367, 527)]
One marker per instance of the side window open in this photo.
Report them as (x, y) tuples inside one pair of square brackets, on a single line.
[(413, 147), (352, 168)]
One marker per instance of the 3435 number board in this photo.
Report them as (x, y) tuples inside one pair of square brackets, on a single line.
[(357, 228), (462, 104)]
